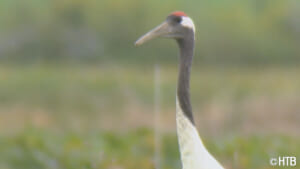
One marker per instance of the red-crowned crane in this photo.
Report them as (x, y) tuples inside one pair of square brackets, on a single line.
[(193, 153)]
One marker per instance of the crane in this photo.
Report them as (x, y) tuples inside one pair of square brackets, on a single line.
[(193, 153)]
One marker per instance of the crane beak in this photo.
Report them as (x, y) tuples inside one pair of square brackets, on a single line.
[(161, 30)]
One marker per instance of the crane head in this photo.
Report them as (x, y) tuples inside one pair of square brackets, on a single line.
[(176, 26)]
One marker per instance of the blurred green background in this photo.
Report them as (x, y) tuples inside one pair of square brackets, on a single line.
[(76, 93)]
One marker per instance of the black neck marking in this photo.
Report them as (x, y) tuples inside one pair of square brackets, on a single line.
[(186, 46)]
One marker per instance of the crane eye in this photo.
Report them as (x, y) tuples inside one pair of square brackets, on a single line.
[(178, 19)]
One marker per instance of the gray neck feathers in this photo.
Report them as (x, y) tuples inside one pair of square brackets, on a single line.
[(186, 46)]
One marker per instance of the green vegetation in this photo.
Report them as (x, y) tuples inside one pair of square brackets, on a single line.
[(76, 93), (61, 92), (65, 117), (36, 148), (231, 32)]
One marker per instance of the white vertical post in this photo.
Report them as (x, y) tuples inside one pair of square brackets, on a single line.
[(157, 134), (235, 159)]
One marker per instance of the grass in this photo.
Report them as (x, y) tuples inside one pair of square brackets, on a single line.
[(36, 148), (68, 117)]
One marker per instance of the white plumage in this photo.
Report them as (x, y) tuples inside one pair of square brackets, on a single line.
[(193, 153)]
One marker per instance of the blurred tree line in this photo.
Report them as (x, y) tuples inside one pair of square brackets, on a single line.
[(85, 31)]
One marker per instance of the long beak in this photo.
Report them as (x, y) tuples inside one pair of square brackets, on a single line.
[(159, 31)]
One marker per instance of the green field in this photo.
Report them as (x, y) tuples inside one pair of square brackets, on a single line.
[(75, 93), (35, 148), (97, 116)]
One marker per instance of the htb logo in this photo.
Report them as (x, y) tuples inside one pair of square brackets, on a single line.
[(283, 161)]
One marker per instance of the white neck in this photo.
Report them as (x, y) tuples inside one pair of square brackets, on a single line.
[(192, 151)]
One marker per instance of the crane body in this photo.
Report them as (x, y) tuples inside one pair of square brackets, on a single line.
[(193, 153)]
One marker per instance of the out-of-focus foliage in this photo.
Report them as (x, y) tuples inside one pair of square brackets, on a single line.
[(43, 149), (231, 100), (249, 31), (74, 89), (71, 117)]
